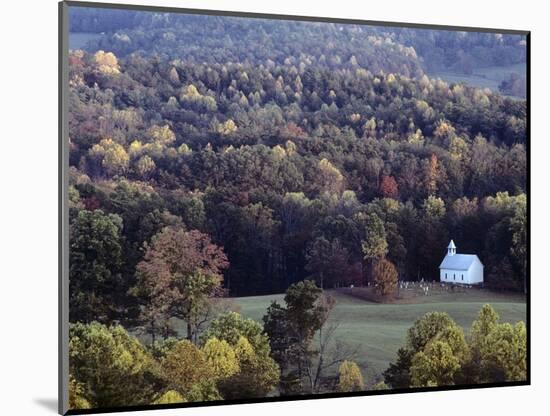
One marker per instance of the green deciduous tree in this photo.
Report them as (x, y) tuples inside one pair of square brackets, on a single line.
[(518, 227), (375, 245), (205, 391), (231, 326), (95, 282), (113, 367), (436, 352), (291, 330), (435, 366), (504, 352), (380, 386)]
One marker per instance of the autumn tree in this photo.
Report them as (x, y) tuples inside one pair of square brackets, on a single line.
[(185, 365), (169, 397), (380, 386), (388, 187), (107, 62), (111, 156), (221, 358), (162, 134), (228, 127), (431, 172), (330, 178), (231, 326), (145, 166), (486, 321), (205, 391), (350, 377), (257, 376), (180, 273), (258, 373), (385, 277)]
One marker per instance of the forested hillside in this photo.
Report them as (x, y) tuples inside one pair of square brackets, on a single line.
[(397, 49), (300, 156)]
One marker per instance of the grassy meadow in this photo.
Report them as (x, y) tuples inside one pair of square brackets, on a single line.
[(377, 330)]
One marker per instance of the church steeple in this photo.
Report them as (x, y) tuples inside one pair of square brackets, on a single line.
[(451, 249)]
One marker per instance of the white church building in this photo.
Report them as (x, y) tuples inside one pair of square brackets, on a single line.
[(464, 269)]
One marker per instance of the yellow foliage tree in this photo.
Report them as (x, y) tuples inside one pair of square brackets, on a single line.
[(278, 152), (290, 147), (331, 178), (76, 395), (444, 131), (350, 377), (184, 149), (162, 135), (227, 128), (184, 366), (258, 373), (113, 156), (107, 62), (170, 397), (380, 386), (221, 358), (145, 166), (135, 149)]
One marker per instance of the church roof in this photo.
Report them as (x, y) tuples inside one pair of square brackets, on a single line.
[(458, 261), (451, 244)]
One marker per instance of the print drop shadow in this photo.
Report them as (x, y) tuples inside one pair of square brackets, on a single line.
[(49, 403)]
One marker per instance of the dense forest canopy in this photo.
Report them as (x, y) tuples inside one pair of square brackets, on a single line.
[(287, 142), (408, 50)]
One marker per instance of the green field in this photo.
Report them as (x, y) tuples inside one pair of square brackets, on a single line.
[(489, 77), (378, 330), (78, 40)]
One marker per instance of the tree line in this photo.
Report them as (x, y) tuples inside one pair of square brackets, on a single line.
[(294, 352)]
